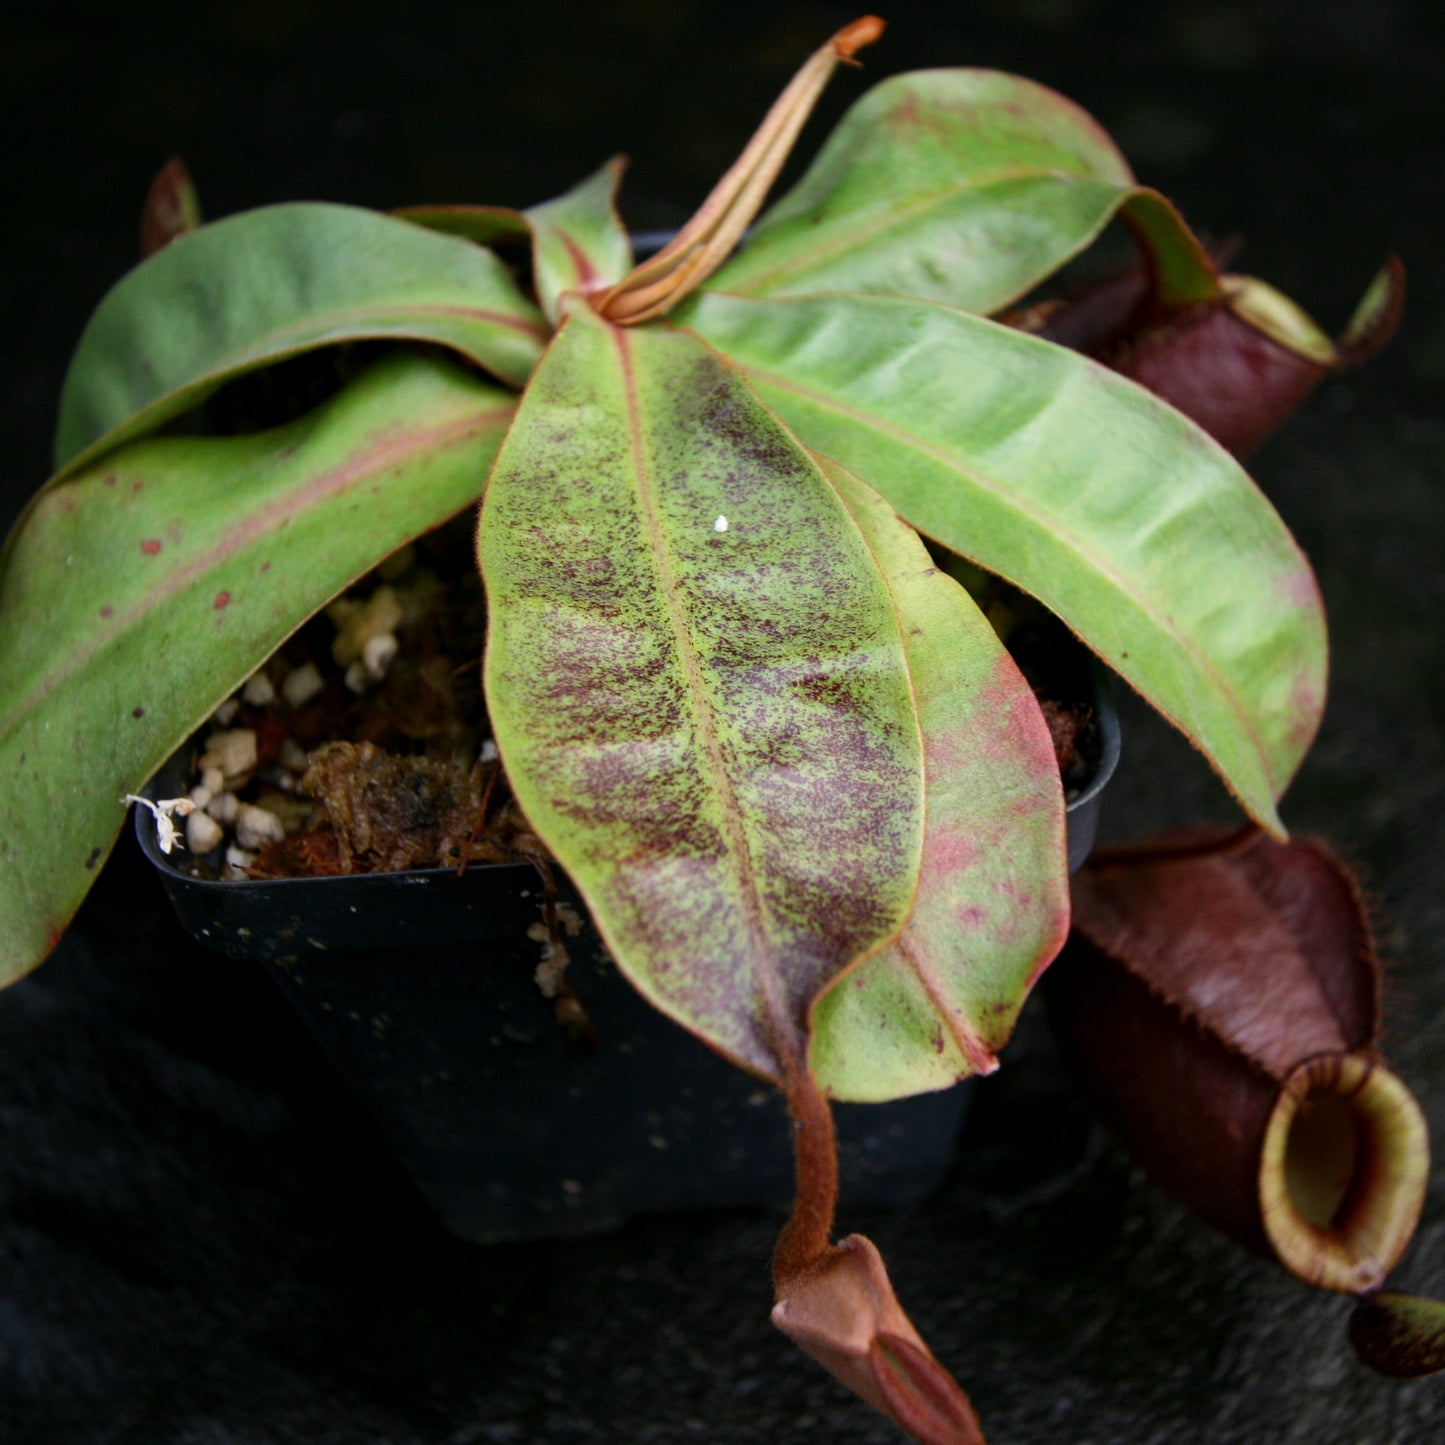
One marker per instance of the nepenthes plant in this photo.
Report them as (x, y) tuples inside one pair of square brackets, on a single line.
[(726, 493)]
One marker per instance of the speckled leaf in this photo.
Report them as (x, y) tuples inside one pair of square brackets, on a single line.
[(579, 244), (697, 681), (140, 591), (963, 186), (265, 285), (993, 899), (1120, 515)]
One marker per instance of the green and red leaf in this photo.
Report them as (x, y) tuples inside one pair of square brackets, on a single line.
[(143, 589), (993, 899), (1120, 515), (963, 186), (579, 243), (698, 685)]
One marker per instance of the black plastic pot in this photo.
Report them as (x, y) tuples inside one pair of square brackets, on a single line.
[(420, 989)]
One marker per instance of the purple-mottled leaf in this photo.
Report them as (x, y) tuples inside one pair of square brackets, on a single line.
[(697, 681), (141, 590)]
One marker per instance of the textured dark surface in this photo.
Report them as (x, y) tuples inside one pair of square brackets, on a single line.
[(198, 1241)]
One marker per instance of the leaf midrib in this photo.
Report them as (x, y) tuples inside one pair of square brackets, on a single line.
[(976, 1053), (779, 1029)]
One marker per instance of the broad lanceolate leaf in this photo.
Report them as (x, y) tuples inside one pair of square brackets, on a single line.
[(265, 285), (1075, 484), (697, 681), (993, 900), (579, 244), (140, 591), (963, 186)]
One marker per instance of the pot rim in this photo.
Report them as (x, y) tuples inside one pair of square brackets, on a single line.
[(1082, 814)]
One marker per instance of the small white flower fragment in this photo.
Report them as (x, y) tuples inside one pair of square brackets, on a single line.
[(168, 836), (721, 525), (489, 753)]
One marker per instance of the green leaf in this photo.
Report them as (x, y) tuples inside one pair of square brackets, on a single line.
[(256, 288), (697, 681), (993, 900), (142, 590), (1115, 511), (580, 245), (964, 186), (1181, 271)]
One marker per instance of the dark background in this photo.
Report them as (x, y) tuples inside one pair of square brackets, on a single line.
[(199, 1244)]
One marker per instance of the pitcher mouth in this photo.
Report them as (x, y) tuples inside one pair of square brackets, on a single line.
[(1343, 1172)]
